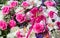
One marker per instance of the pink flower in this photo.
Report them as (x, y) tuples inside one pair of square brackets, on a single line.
[(25, 4), (38, 28), (34, 10), (19, 35), (3, 25), (12, 23), (58, 24), (40, 18), (40, 9), (51, 14), (49, 3), (5, 10), (13, 4), (32, 20), (20, 18)]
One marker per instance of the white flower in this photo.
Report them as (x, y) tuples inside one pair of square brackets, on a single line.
[(28, 26), (28, 15), (11, 35), (53, 37), (57, 18), (8, 2), (46, 14), (44, 11), (32, 35), (1, 37), (19, 10), (13, 32), (37, 2), (30, 7), (29, 0), (1, 15), (14, 29), (55, 27), (52, 9), (49, 20)]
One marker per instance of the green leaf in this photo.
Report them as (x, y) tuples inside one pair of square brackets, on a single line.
[(3, 1)]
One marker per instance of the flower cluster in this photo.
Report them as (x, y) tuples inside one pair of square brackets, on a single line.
[(42, 19)]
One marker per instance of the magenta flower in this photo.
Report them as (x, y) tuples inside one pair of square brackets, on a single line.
[(5, 10), (32, 20), (13, 4), (20, 18), (40, 18), (19, 35), (49, 3), (25, 4), (12, 23), (38, 28), (34, 10), (51, 14), (58, 24), (3, 25), (40, 9)]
